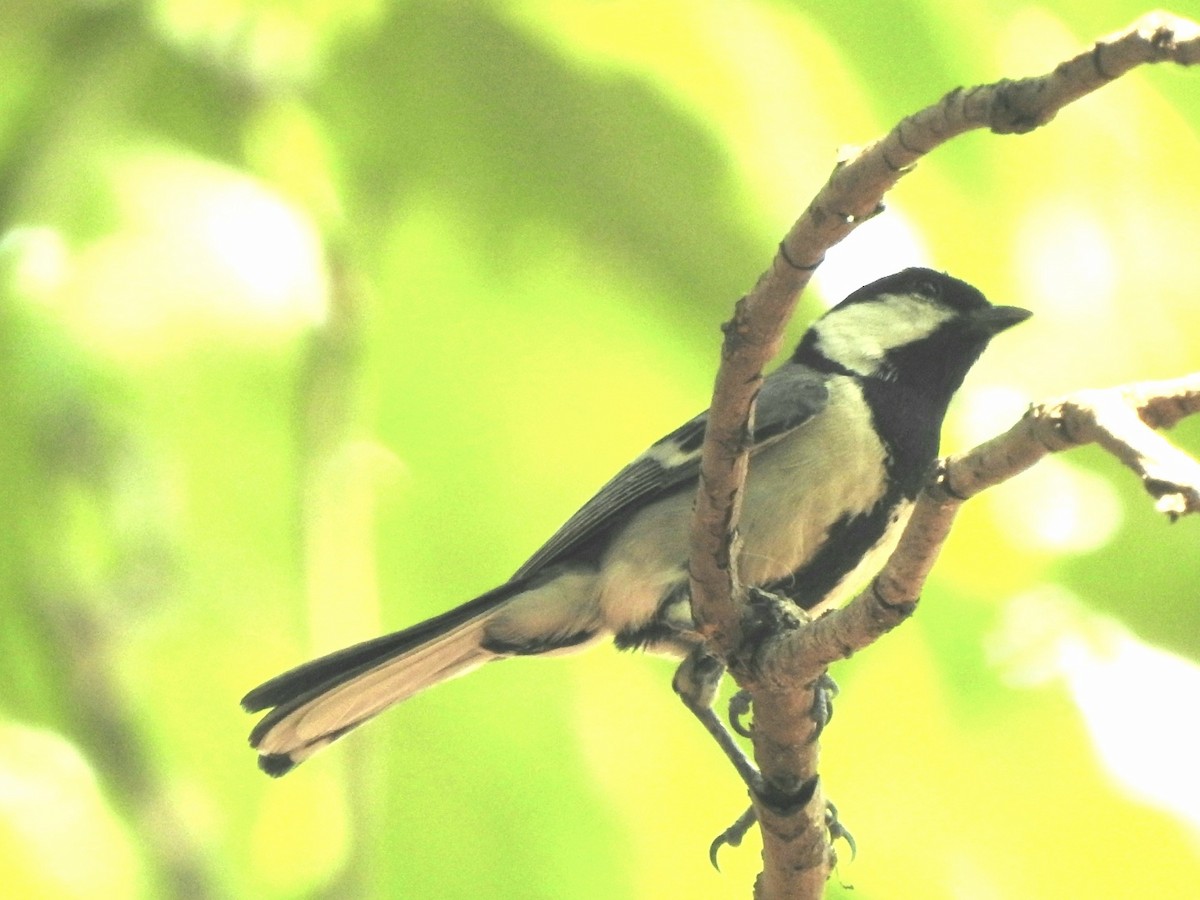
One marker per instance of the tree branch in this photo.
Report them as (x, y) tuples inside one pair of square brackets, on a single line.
[(1120, 420), (796, 864)]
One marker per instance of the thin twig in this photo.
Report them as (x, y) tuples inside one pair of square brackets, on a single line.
[(1120, 420)]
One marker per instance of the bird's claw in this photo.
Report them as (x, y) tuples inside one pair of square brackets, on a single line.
[(837, 831), (732, 836), (739, 708), (824, 690)]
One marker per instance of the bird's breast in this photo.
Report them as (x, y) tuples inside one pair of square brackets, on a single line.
[(832, 470)]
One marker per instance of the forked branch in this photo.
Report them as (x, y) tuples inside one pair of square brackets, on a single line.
[(796, 863)]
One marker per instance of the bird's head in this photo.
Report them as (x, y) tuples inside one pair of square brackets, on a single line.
[(920, 328)]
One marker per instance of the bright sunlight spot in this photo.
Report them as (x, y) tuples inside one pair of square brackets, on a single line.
[(878, 247), (1057, 507), (983, 412), (35, 260), (1129, 693), (1065, 261), (60, 839), (198, 248), (275, 40)]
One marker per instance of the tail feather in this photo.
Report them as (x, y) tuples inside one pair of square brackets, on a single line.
[(319, 701), (327, 670)]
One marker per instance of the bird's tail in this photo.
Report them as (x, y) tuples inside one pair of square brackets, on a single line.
[(316, 703)]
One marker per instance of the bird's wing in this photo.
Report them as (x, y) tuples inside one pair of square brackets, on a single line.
[(789, 397)]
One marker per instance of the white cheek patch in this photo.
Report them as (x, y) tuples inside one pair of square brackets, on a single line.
[(860, 335)]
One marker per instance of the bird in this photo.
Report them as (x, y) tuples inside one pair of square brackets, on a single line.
[(843, 436)]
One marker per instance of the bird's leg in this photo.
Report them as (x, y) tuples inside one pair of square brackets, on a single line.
[(699, 676), (696, 682)]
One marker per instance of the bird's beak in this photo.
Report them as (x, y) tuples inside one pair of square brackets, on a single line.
[(995, 319)]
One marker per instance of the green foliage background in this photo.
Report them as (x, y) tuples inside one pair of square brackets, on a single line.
[(317, 317)]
